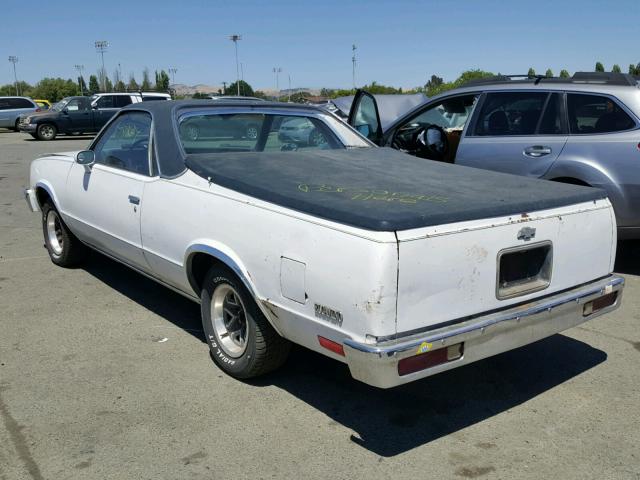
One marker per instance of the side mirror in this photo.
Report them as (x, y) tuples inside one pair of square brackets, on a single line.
[(86, 158), (94, 107)]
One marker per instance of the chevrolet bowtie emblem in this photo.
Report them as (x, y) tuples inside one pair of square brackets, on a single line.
[(526, 233)]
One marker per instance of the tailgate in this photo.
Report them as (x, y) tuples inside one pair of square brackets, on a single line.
[(459, 270)]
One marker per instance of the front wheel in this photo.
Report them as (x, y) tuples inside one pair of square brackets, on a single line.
[(241, 340), (65, 250), (46, 131)]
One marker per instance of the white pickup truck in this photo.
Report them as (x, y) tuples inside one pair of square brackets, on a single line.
[(399, 267)]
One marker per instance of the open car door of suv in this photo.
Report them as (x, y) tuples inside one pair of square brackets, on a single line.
[(365, 117)]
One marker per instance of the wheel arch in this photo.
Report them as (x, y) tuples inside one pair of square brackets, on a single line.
[(44, 191), (201, 256)]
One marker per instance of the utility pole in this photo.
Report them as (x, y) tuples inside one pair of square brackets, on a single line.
[(101, 47), (242, 77), (353, 61), (80, 68), (172, 72), (234, 39), (224, 88), (13, 59), (277, 71)]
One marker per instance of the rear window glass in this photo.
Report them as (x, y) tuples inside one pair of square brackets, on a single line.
[(122, 100), (252, 132), (596, 114), (510, 113), (152, 98)]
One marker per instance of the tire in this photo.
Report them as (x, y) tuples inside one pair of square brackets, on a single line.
[(46, 131), (251, 347), (64, 249), (252, 132), (16, 126)]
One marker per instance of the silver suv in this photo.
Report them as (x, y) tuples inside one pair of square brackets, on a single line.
[(582, 130), (12, 107)]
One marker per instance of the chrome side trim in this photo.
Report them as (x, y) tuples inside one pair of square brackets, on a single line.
[(32, 199)]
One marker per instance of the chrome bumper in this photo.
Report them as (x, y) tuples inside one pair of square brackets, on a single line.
[(377, 363), (32, 201)]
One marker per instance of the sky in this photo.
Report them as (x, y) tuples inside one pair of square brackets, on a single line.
[(400, 43)]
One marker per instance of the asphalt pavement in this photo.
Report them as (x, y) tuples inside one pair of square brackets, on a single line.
[(105, 374)]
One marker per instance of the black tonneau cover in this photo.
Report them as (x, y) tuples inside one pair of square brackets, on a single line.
[(382, 189)]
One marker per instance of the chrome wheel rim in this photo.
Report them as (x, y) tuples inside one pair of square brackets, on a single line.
[(46, 131), (54, 232), (252, 132), (229, 320)]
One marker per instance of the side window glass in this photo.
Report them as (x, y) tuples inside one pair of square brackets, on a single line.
[(510, 113), (551, 123), (451, 114), (4, 104), (122, 101), (220, 133), (596, 114), (366, 120), (74, 105), (125, 144), (105, 101), (298, 133)]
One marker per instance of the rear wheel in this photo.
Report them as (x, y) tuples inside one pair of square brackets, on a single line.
[(16, 126), (65, 250), (241, 340), (46, 131)]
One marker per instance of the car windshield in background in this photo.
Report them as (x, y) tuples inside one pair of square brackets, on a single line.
[(58, 106), (257, 132)]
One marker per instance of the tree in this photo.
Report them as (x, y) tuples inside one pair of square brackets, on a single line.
[(146, 82), (259, 94), (616, 69), (599, 67), (548, 73), (82, 85), (54, 89), (108, 86), (120, 86), (245, 89), (531, 72), (433, 85), (200, 95), (162, 81), (564, 73), (634, 69), (299, 97), (132, 86), (326, 92), (10, 89), (94, 86)]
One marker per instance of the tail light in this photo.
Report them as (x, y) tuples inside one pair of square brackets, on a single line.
[(430, 359)]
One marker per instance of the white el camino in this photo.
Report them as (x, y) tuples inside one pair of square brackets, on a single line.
[(397, 266)]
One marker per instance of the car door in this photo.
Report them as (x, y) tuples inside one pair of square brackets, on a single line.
[(518, 132), (105, 201), (77, 115), (365, 117)]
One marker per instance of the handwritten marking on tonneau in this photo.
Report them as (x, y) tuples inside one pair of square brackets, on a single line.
[(372, 194)]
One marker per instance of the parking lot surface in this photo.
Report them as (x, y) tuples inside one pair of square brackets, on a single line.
[(105, 375)]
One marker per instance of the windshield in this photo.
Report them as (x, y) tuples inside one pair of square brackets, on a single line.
[(60, 105), (217, 132)]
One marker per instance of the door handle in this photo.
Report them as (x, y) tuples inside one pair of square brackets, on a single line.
[(537, 151), (134, 200)]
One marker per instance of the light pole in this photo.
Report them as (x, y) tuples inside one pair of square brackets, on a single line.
[(353, 61), (80, 68), (101, 47), (277, 71), (234, 39), (13, 59), (172, 72), (242, 77), (289, 98)]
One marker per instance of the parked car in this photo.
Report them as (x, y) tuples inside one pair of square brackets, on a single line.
[(300, 131), (582, 130), (398, 267), (12, 107), (43, 104), (80, 115)]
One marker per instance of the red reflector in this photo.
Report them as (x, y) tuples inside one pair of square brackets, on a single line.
[(335, 347), (430, 359), (38, 109)]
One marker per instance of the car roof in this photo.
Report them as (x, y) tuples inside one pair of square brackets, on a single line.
[(165, 107)]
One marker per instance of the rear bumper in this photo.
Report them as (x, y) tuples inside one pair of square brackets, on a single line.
[(32, 200), (377, 364)]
